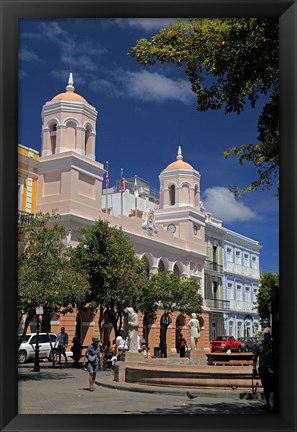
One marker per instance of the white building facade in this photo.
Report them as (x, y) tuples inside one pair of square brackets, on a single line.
[(242, 274)]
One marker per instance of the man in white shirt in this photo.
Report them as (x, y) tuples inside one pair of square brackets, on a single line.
[(61, 344), (121, 342)]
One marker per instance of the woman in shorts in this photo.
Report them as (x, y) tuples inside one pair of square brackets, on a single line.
[(92, 357)]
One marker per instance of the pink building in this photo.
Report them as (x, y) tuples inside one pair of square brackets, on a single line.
[(171, 237)]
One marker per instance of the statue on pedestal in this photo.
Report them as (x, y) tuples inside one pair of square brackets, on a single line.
[(132, 323), (195, 331)]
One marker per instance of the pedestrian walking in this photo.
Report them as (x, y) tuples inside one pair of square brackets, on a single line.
[(92, 357), (263, 352), (61, 344)]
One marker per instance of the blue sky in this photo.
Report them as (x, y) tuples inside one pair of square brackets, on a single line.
[(144, 113)]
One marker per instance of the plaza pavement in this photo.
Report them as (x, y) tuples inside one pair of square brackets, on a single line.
[(64, 390)]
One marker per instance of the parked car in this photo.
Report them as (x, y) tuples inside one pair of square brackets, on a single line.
[(224, 343), (27, 347), (248, 343)]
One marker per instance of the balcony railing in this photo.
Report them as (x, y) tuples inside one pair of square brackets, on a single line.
[(245, 306), (211, 265), (217, 304), (240, 269), (24, 218)]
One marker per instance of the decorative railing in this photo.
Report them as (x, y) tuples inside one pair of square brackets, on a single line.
[(243, 270), (24, 218), (211, 265), (242, 305), (217, 304)]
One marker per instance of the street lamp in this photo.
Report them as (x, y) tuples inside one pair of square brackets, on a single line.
[(39, 313)]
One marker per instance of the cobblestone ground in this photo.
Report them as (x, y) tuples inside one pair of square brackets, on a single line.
[(62, 390)]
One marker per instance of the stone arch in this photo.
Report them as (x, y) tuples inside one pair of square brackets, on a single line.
[(248, 326), (163, 264), (196, 195), (147, 266), (88, 138), (52, 126), (149, 258), (178, 268), (172, 193), (71, 120), (87, 124)]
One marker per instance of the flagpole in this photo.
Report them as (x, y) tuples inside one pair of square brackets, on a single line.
[(122, 206), (107, 184), (135, 194)]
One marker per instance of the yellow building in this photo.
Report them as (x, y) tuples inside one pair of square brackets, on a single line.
[(27, 181)]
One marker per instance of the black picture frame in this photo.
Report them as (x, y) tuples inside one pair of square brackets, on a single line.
[(10, 12)]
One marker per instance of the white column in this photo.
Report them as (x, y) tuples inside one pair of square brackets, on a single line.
[(46, 142), (80, 145), (90, 148), (60, 138)]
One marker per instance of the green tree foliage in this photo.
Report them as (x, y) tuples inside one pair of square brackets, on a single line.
[(172, 293), (47, 274), (230, 62), (116, 275), (263, 304)]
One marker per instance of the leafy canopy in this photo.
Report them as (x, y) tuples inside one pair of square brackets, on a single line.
[(172, 293), (230, 62), (263, 304), (116, 276), (47, 274)]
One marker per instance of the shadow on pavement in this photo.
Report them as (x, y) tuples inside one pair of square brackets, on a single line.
[(29, 375), (213, 408)]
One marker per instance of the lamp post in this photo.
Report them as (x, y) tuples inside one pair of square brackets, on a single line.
[(39, 313), (165, 321)]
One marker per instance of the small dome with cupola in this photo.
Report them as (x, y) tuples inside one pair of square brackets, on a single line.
[(179, 163), (69, 95)]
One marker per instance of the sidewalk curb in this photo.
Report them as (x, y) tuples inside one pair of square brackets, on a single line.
[(107, 382)]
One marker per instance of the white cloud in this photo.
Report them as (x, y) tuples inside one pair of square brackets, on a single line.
[(102, 85), (222, 204), (152, 86), (29, 56), (146, 24), (80, 55)]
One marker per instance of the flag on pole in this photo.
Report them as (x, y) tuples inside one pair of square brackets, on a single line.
[(136, 194), (107, 176), (122, 182)]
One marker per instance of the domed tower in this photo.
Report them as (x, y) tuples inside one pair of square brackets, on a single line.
[(179, 184), (69, 178), (68, 123), (180, 208)]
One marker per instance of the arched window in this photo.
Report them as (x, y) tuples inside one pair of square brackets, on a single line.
[(70, 140), (172, 194), (161, 266), (53, 135), (88, 149), (196, 196), (176, 270), (147, 266)]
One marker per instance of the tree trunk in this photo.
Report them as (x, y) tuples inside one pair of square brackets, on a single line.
[(46, 323), (27, 322)]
